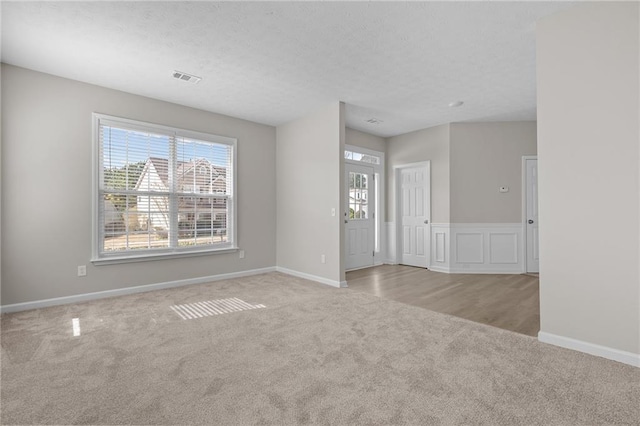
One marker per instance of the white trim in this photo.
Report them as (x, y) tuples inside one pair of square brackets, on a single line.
[(440, 247), (161, 255), (498, 248), (349, 224), (363, 267), (100, 257), (310, 277), (590, 348), (524, 209), (76, 298), (441, 269), (482, 259), (480, 271), (481, 225), (380, 169), (359, 149)]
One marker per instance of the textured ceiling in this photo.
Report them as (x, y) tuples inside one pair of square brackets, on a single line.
[(402, 63)]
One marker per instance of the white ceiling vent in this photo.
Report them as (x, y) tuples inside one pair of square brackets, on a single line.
[(186, 77), (374, 121)]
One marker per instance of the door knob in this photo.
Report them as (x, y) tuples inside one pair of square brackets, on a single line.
[(530, 221), (426, 221)]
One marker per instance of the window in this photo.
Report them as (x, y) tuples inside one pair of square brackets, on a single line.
[(358, 190), (146, 180), (364, 158)]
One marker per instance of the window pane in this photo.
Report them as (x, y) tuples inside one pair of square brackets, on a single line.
[(141, 225), (364, 158), (202, 220), (203, 167), (125, 154)]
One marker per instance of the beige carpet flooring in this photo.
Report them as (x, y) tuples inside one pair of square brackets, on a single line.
[(313, 355)]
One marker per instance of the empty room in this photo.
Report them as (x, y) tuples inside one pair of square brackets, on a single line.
[(366, 213)]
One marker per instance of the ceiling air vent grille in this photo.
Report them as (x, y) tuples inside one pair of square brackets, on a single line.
[(186, 77)]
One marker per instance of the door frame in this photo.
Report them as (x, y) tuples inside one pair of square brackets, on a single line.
[(398, 207), (380, 171), (524, 211), (373, 199)]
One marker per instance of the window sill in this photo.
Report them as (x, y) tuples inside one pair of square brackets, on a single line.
[(112, 260)]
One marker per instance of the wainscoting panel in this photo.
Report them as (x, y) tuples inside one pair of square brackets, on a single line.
[(470, 248), (503, 248), (492, 248), (477, 248), (440, 247)]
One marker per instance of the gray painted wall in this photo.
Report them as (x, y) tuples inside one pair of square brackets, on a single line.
[(46, 188), (588, 163), (310, 154), (365, 140), (484, 157), (427, 144)]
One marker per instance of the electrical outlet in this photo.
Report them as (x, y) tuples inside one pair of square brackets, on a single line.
[(333, 211), (241, 254), (82, 270), (323, 258)]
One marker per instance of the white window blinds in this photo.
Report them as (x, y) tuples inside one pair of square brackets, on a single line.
[(162, 190)]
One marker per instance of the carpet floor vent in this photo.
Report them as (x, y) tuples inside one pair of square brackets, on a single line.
[(212, 307)]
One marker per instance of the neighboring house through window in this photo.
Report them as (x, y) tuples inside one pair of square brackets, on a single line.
[(161, 191)]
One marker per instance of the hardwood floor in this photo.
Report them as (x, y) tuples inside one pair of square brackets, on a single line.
[(510, 302)]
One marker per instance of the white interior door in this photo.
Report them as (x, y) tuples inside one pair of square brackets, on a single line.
[(359, 217), (414, 215), (531, 184)]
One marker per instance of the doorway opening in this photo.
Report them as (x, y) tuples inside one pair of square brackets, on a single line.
[(363, 216), (413, 214)]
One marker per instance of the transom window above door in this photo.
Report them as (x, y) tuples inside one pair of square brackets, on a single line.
[(362, 157)]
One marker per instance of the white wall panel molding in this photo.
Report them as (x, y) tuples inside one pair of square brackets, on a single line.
[(471, 248), (440, 247), (493, 248), (477, 248)]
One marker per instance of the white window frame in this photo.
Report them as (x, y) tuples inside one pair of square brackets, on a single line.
[(99, 257)]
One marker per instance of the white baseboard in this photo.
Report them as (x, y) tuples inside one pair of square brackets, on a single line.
[(128, 290), (363, 267), (590, 348), (482, 271), (310, 277), (439, 269)]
